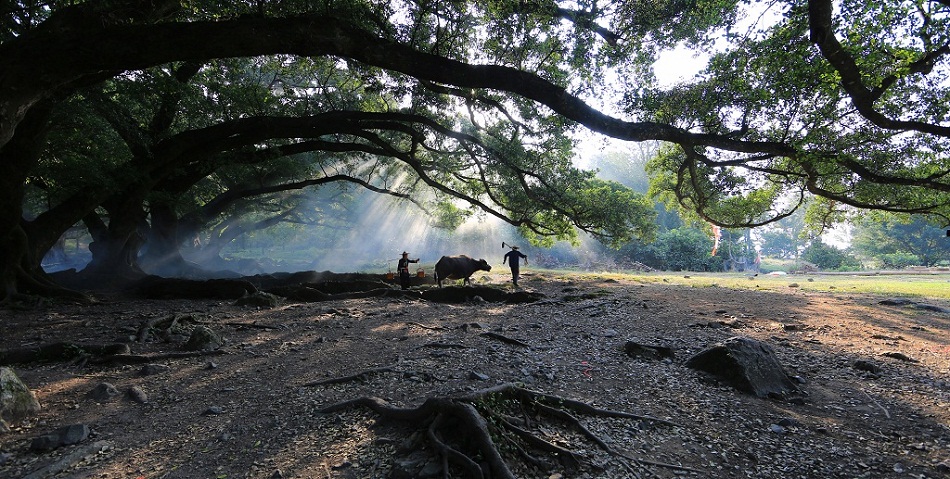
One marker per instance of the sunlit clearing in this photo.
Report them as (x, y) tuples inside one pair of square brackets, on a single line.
[(388, 227)]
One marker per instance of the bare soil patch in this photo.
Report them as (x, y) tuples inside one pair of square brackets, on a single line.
[(254, 411)]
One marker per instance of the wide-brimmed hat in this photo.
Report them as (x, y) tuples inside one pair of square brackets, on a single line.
[(405, 253), (514, 247)]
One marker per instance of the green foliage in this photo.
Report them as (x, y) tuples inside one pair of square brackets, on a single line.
[(829, 258), (899, 241), (898, 260), (773, 85), (770, 123), (678, 249), (448, 216), (687, 249)]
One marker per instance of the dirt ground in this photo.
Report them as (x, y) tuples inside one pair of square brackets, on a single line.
[(254, 411)]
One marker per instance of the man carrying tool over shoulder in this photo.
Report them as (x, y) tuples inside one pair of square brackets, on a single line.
[(512, 257)]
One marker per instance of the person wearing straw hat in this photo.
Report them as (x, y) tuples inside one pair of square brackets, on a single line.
[(512, 258), (403, 269)]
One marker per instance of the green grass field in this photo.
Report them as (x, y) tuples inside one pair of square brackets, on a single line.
[(915, 285)]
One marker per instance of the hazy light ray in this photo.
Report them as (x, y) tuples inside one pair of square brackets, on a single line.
[(387, 227)]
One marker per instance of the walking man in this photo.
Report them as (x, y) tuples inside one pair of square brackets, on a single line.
[(512, 257)]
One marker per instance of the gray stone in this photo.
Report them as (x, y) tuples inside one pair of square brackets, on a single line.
[(46, 442), (152, 369), (64, 436), (478, 376), (16, 400), (259, 299), (431, 469), (203, 338), (73, 434), (747, 365), (789, 422), (136, 394), (869, 366), (103, 392), (646, 351)]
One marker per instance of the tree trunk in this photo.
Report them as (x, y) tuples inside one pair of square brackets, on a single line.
[(115, 248), (162, 254), (20, 270)]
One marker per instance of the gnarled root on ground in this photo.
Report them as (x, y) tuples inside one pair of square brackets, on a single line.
[(469, 432)]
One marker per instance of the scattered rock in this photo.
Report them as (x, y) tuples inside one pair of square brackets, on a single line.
[(789, 422), (152, 369), (895, 302), (136, 394), (869, 366), (203, 338), (461, 295), (907, 302), (103, 392), (259, 299), (478, 376), (16, 400), (644, 351), (900, 356), (64, 436), (747, 364), (214, 411)]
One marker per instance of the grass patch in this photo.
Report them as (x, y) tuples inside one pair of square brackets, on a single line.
[(900, 285)]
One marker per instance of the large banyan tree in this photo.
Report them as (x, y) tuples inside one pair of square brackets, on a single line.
[(116, 110)]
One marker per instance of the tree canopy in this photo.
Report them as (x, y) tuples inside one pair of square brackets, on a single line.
[(112, 108)]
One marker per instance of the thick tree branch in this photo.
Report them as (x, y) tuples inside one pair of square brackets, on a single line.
[(820, 17)]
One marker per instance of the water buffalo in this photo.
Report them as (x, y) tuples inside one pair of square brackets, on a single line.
[(459, 267)]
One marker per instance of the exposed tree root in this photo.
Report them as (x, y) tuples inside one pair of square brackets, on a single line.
[(164, 327), (58, 352), (505, 339), (469, 432), (445, 346), (151, 358), (68, 460), (117, 353), (420, 325), (39, 284)]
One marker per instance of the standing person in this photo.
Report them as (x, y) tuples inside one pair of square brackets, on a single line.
[(512, 258), (403, 269)]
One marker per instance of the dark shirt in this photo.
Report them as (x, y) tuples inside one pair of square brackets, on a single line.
[(512, 258), (404, 264)]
